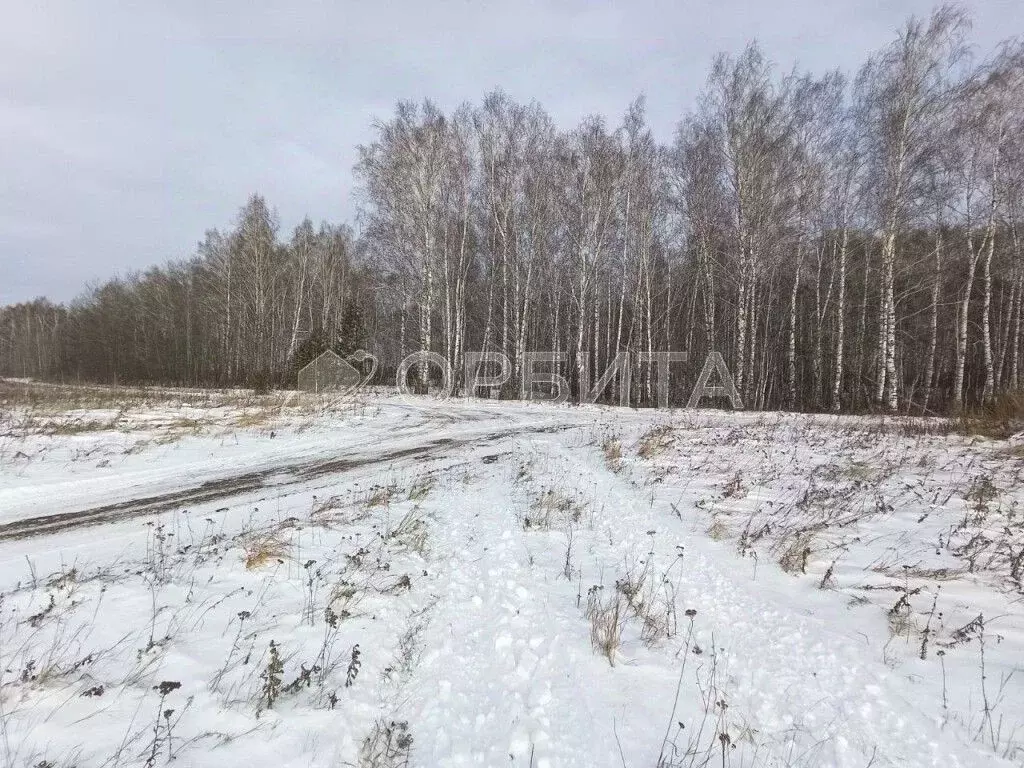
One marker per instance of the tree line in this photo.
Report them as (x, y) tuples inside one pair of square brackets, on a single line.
[(845, 242)]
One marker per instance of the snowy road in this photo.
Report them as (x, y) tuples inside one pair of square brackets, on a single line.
[(144, 494), (527, 585)]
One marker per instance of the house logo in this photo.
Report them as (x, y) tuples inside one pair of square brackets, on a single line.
[(331, 373)]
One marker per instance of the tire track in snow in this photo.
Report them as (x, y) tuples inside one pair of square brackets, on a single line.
[(282, 475), (508, 674)]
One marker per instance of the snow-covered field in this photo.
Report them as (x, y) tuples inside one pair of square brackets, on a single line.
[(219, 580)]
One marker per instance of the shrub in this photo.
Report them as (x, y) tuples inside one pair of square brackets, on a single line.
[(1000, 418)]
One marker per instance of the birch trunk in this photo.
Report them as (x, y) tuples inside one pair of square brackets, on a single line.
[(837, 378)]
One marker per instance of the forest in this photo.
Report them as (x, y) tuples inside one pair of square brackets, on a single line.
[(847, 241)]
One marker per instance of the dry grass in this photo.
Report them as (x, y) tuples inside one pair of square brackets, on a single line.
[(78, 427), (654, 441), (186, 425), (380, 496), (52, 398), (1014, 451), (389, 745), (935, 426), (718, 530), (901, 619), (420, 489), (999, 419), (794, 553), (611, 447), (257, 418), (651, 599), (929, 574), (606, 617), (410, 533), (49, 397), (859, 470), (264, 549), (40, 408), (343, 599), (551, 508)]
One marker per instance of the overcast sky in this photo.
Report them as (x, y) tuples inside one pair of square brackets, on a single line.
[(127, 129)]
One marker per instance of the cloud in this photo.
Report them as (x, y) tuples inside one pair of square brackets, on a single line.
[(129, 129)]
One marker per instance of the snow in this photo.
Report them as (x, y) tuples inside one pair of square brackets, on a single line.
[(751, 566)]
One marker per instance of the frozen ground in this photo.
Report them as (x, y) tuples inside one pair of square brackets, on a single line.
[(217, 580)]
